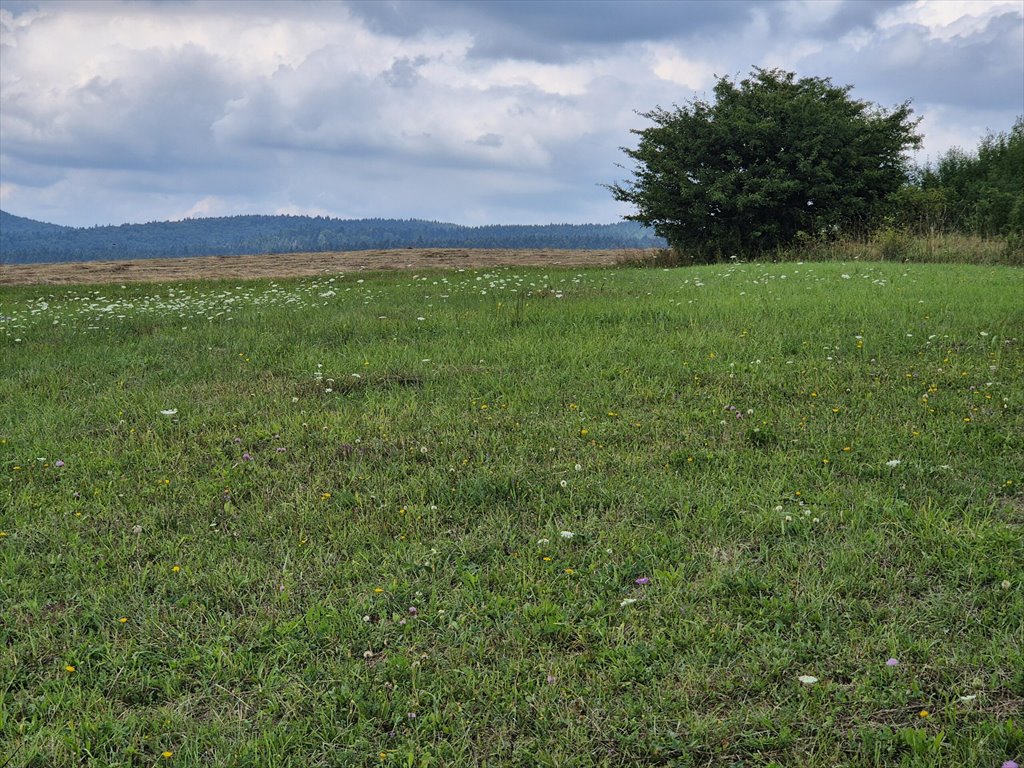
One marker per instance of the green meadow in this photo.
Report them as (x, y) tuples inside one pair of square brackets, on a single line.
[(736, 515)]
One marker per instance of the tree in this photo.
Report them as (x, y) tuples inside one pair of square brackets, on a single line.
[(984, 189), (772, 157)]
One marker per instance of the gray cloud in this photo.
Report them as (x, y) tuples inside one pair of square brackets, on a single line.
[(474, 112), (983, 70)]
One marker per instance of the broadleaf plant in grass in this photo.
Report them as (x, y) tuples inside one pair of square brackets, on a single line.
[(772, 160)]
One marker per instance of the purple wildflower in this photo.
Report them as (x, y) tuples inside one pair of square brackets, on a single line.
[(1010, 764), (238, 441), (643, 580), (413, 610), (892, 663), (58, 463), (279, 449), (246, 456)]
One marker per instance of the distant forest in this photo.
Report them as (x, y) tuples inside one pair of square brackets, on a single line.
[(24, 241)]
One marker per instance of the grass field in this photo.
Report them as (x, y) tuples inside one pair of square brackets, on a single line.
[(741, 515)]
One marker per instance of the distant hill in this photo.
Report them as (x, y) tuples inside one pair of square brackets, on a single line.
[(22, 227), (24, 241)]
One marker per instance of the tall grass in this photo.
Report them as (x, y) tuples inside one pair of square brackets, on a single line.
[(885, 245)]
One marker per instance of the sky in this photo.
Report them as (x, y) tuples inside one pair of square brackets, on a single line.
[(494, 112)]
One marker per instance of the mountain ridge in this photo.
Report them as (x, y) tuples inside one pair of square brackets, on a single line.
[(26, 241)]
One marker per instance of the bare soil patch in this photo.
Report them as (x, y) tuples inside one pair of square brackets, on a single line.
[(300, 265)]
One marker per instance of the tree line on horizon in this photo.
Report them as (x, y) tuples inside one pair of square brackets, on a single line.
[(27, 241)]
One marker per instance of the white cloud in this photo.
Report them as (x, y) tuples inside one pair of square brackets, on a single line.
[(948, 18), (671, 65), (157, 110)]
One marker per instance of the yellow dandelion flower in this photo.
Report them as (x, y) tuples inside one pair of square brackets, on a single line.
[(167, 754), (547, 559), (69, 668), (570, 571), (176, 568), (123, 620), (924, 713), (378, 590)]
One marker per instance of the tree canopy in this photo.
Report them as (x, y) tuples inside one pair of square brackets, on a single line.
[(983, 191), (773, 156)]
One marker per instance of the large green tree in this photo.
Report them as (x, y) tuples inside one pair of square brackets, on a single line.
[(771, 157)]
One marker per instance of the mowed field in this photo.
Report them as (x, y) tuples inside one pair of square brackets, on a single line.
[(300, 264), (736, 515)]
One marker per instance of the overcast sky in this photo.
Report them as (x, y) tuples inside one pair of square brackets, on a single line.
[(469, 112)]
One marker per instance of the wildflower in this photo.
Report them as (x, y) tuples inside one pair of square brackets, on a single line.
[(643, 580), (69, 668), (280, 449), (564, 484), (924, 713), (176, 568), (1005, 584), (246, 456), (893, 463), (627, 601), (58, 463), (169, 412), (578, 467), (567, 534), (807, 679), (123, 620), (892, 662), (136, 529), (167, 754), (551, 679), (547, 559), (542, 541), (570, 571), (413, 610), (378, 590), (1010, 764)]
